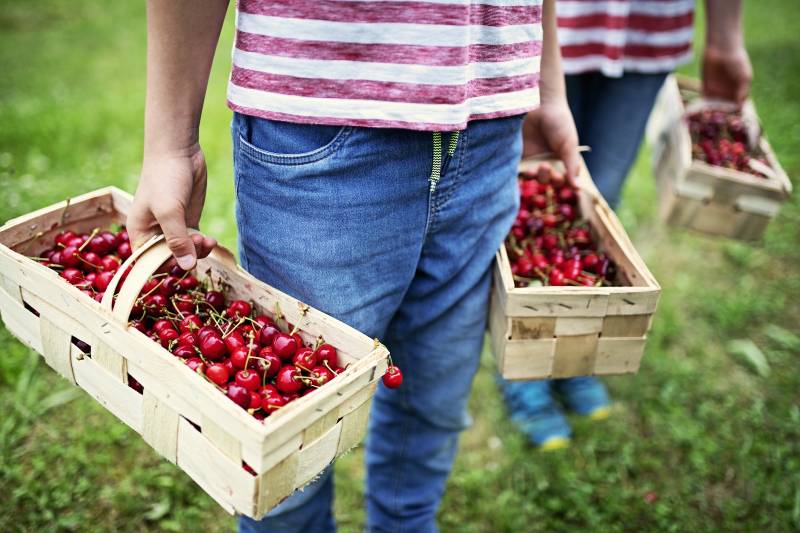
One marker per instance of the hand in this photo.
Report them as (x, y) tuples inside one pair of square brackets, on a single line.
[(550, 128), (726, 73), (169, 200)]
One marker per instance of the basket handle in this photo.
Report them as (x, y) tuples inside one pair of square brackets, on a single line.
[(143, 262)]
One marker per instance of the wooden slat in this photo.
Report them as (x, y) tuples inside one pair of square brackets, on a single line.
[(160, 426), (56, 348), (23, 324), (354, 427), (314, 457), (223, 440), (575, 356), (222, 479), (110, 360), (619, 355), (275, 485), (123, 402), (626, 326), (570, 326), (529, 359)]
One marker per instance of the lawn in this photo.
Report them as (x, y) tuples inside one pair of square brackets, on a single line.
[(698, 441)]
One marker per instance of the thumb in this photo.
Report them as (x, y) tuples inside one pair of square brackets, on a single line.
[(177, 236)]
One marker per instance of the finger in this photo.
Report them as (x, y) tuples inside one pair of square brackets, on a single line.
[(177, 236), (139, 226), (572, 161), (202, 244)]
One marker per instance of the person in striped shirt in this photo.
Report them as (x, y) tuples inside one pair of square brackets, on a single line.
[(375, 148), (616, 54)]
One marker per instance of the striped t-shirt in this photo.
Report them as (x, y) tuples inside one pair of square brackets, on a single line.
[(616, 36), (425, 65)]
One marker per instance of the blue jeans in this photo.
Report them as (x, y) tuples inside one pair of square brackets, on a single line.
[(343, 218), (610, 115)]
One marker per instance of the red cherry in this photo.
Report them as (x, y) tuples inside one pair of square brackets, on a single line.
[(290, 397), (556, 277), (184, 351), (64, 237), (268, 333), (158, 325), (70, 257), (169, 286), (190, 323), (247, 379), (255, 400), (102, 280), (187, 338), (216, 300), (285, 380), (213, 347), (393, 377), (567, 195), (239, 395), (196, 364), (138, 325), (205, 331), (189, 283), (155, 303), (239, 358), (234, 341), (167, 335), (268, 390), (183, 303), (321, 375), (261, 321), (272, 403), (284, 345), (328, 353), (238, 309), (124, 250), (91, 260), (304, 358), (72, 275), (218, 374), (110, 263)]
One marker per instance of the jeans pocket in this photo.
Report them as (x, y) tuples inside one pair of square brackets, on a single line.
[(286, 143)]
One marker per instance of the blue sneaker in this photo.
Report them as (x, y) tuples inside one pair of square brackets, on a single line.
[(533, 410), (586, 396)]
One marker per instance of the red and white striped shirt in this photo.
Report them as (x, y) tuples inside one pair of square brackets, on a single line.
[(615, 36), (425, 65)]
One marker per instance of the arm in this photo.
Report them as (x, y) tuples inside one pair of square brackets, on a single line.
[(551, 128), (726, 66), (181, 38)]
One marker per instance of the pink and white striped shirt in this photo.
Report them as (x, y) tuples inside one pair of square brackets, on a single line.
[(615, 36), (425, 65)]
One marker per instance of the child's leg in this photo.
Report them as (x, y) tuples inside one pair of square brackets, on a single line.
[(437, 335)]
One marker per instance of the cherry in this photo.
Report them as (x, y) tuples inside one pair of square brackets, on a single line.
[(212, 346), (234, 341), (64, 237), (183, 303), (138, 325), (262, 321), (189, 283), (248, 380), (556, 277), (124, 250), (70, 257), (284, 345), (272, 402), (290, 397), (218, 374), (268, 333), (72, 275), (328, 353), (190, 322), (155, 303), (269, 364), (255, 400), (196, 364), (304, 358), (169, 286), (238, 309), (393, 377), (183, 351), (102, 280), (268, 390), (321, 375), (285, 380), (205, 331), (167, 335), (109, 263), (187, 338), (239, 395), (216, 300)]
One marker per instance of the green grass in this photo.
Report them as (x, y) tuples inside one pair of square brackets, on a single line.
[(718, 445)]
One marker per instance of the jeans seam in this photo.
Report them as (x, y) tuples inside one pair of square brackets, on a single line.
[(263, 156), (451, 189)]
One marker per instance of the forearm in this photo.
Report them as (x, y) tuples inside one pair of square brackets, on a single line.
[(181, 38), (724, 24), (551, 75)]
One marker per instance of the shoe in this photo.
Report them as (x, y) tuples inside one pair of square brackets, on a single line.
[(586, 396), (535, 412)]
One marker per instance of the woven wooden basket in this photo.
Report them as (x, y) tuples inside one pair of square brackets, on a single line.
[(183, 417), (703, 197), (560, 332)]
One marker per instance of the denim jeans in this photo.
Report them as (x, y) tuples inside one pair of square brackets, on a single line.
[(344, 219), (611, 115)]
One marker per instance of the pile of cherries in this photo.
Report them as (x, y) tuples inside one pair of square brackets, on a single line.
[(720, 138), (549, 243), (260, 362)]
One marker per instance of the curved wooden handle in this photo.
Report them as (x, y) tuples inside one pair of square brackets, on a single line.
[(143, 262)]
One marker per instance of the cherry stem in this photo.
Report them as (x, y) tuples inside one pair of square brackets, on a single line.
[(89, 238)]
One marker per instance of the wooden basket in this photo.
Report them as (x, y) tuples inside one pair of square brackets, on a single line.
[(703, 197), (183, 417), (560, 332)]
